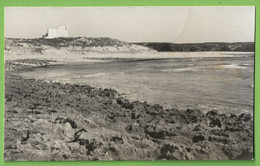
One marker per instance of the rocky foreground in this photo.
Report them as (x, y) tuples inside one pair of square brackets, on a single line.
[(54, 121)]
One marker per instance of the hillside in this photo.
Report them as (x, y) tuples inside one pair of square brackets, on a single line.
[(84, 45), (200, 47), (72, 45)]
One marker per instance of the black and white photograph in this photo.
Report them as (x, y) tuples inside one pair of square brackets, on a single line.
[(129, 83)]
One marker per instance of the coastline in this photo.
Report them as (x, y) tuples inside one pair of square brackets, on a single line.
[(98, 124), (63, 56)]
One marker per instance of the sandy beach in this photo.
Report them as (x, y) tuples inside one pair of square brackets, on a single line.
[(63, 56)]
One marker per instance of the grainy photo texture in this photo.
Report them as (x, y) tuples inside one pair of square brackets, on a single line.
[(129, 83)]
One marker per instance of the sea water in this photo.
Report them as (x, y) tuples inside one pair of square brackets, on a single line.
[(222, 83)]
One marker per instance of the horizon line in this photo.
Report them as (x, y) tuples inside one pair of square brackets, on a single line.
[(136, 41)]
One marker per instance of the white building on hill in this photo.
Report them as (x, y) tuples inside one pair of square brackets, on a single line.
[(62, 31)]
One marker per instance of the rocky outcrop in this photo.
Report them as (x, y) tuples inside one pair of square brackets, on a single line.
[(54, 121), (200, 47)]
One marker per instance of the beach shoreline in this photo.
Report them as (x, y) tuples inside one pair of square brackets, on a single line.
[(63, 57), (98, 124)]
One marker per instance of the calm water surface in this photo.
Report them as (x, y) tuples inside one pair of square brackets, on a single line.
[(225, 84)]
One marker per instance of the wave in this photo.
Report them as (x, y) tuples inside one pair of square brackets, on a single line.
[(233, 66), (91, 75)]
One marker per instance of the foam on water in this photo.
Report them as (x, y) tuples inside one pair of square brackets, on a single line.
[(90, 75), (202, 83), (234, 66)]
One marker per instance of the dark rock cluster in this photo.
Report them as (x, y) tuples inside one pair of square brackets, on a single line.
[(54, 121)]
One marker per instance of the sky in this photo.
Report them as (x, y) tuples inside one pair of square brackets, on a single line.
[(136, 24)]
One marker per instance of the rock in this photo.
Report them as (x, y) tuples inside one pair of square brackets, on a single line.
[(154, 110), (198, 138), (118, 140), (68, 132), (215, 123), (94, 124), (72, 123)]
